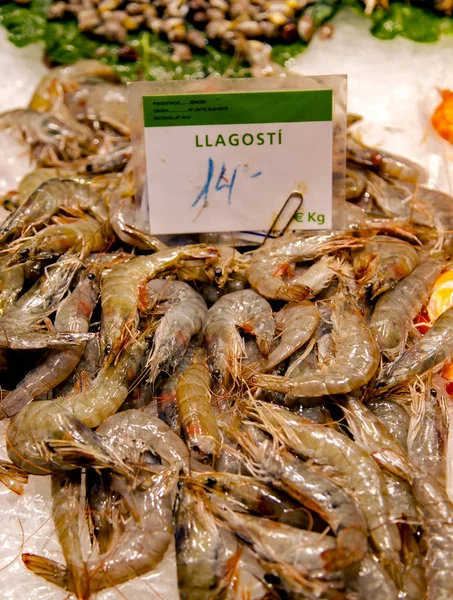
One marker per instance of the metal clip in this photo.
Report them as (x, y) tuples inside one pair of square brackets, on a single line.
[(279, 233)]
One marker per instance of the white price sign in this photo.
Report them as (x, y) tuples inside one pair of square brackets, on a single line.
[(228, 161)]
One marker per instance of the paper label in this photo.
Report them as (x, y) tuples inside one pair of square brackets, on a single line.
[(228, 161)]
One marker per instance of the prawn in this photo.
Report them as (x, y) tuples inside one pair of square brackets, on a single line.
[(46, 200), (50, 139), (13, 477), (201, 559), (103, 103), (112, 160), (35, 305), (356, 182), (384, 162), (82, 236), (40, 427), (184, 311), (123, 215), (226, 272), (246, 310), (433, 499), (122, 287), (11, 284), (139, 548), (66, 494), (270, 263), (327, 447), (198, 420), (393, 416), (132, 432), (431, 351), (73, 315), (374, 437), (44, 437), (315, 491), (69, 76), (254, 496), (421, 205), (395, 311), (356, 359), (297, 322), (428, 431), (102, 514), (382, 262), (281, 543), (167, 407)]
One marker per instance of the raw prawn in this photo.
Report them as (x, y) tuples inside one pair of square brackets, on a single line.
[(315, 491), (73, 315), (184, 311), (122, 286), (46, 200), (201, 559), (139, 548), (167, 407), (270, 263), (246, 310), (433, 349), (81, 236), (252, 495), (147, 433), (297, 322), (384, 162), (123, 215), (356, 358), (328, 447), (382, 262), (395, 311), (198, 421)]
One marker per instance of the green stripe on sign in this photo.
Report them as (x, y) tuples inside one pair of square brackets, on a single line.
[(238, 108)]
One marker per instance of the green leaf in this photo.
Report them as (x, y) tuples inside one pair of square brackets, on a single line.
[(320, 12), (284, 54), (407, 21), (40, 7), (24, 26), (65, 44)]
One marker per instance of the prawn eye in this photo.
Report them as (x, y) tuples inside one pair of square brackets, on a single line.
[(107, 349), (216, 373), (272, 579), (24, 252), (433, 392), (91, 276), (218, 271)]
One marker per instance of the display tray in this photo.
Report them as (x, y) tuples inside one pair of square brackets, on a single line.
[(392, 84)]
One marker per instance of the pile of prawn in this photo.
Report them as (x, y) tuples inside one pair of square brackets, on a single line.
[(276, 415)]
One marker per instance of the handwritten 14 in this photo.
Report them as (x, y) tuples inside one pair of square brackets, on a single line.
[(221, 182)]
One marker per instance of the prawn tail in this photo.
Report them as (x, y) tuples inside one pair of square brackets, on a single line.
[(143, 239), (80, 580), (294, 292), (15, 401), (49, 570), (271, 382), (87, 454), (13, 477)]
